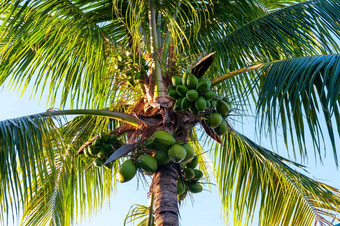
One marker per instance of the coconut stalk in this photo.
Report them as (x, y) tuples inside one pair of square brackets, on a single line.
[(156, 66), (127, 118), (235, 73)]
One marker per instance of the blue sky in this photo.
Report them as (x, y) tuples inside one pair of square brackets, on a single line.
[(200, 210)]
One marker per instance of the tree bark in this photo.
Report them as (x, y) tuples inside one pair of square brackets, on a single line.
[(164, 188)]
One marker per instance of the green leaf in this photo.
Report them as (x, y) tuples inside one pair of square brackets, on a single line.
[(28, 147), (294, 94), (139, 214), (49, 41), (278, 4), (308, 28), (250, 177), (75, 192)]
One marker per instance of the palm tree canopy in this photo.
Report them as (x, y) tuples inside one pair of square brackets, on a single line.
[(276, 59)]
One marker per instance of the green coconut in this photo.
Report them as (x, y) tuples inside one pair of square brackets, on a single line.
[(147, 163), (195, 187), (214, 120), (186, 104), (180, 188), (182, 90), (184, 78), (198, 174), (206, 80), (105, 137), (193, 163), (177, 106), (191, 81), (170, 88), (98, 142), (98, 162), (174, 95), (176, 80), (101, 154), (200, 103), (221, 129), (183, 165), (192, 95), (190, 153), (223, 107), (182, 196), (150, 145), (115, 141), (202, 87), (93, 150), (126, 171), (114, 138), (162, 157), (189, 174), (107, 148), (177, 153), (209, 95), (163, 140)]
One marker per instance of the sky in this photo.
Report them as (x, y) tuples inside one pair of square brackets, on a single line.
[(200, 210)]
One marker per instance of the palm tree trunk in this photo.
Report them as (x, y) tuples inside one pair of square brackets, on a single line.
[(164, 188)]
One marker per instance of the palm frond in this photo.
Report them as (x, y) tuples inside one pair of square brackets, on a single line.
[(78, 183), (53, 44), (38, 174), (124, 117), (28, 146), (219, 19), (289, 95), (294, 94), (83, 128), (304, 29), (279, 4), (264, 37), (74, 193), (183, 19), (141, 215), (250, 177), (39, 208)]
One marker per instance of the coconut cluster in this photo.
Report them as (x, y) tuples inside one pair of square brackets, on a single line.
[(195, 95), (102, 148), (167, 149), (191, 179), (133, 68), (159, 150), (136, 71)]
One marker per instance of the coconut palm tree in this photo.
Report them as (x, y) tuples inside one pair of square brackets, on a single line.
[(111, 62)]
